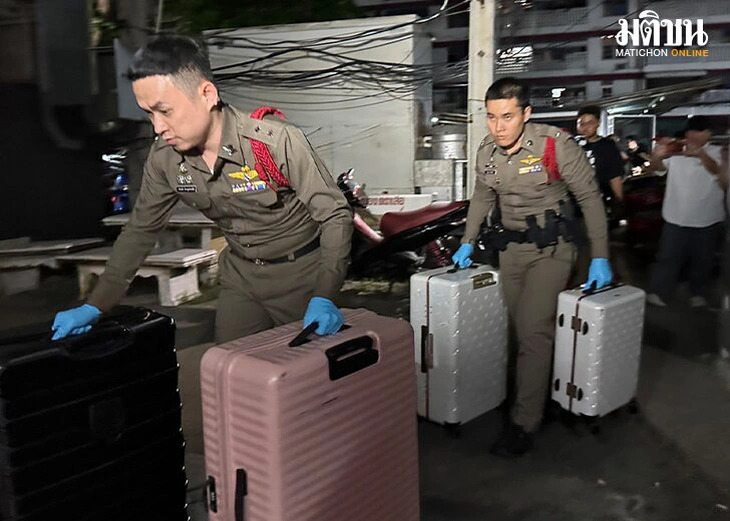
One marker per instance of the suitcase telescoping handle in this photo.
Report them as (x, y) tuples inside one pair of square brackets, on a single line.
[(346, 358), (590, 290), (97, 343), (455, 268), (303, 336)]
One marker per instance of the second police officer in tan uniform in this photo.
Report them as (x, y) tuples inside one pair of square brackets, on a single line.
[(288, 232), (527, 170)]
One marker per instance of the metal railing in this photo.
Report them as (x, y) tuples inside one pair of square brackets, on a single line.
[(576, 60), (539, 19), (693, 10), (561, 102)]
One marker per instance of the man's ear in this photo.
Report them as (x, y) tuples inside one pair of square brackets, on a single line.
[(209, 92), (526, 113)]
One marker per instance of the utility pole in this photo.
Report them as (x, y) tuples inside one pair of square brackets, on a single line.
[(481, 72)]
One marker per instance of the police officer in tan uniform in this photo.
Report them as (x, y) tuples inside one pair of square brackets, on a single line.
[(513, 170), (288, 245)]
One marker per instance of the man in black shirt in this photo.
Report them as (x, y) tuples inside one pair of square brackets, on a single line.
[(608, 165), (602, 153)]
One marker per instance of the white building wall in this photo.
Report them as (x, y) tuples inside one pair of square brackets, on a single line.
[(351, 125)]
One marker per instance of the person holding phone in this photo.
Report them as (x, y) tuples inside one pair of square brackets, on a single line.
[(693, 212)]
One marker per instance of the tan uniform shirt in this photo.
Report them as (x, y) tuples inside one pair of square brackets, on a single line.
[(521, 182), (258, 222)]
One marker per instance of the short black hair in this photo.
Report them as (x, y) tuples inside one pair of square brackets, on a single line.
[(699, 123), (182, 57), (508, 88), (631, 137), (591, 110)]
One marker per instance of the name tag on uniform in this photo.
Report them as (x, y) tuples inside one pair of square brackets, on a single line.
[(534, 169), (255, 186), (187, 188)]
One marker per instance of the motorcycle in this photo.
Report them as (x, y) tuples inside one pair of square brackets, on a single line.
[(643, 197), (407, 241), (116, 182)]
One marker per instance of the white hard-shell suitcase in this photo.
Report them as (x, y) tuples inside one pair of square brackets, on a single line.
[(597, 349), (460, 323)]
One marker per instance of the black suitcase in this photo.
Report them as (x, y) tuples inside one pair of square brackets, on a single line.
[(90, 426)]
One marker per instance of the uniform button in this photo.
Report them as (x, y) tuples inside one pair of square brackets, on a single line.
[(257, 129), (195, 205), (509, 161), (529, 143)]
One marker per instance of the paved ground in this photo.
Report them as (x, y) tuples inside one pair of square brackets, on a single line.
[(668, 463)]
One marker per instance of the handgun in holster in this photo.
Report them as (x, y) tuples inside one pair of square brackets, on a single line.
[(534, 233), (568, 221)]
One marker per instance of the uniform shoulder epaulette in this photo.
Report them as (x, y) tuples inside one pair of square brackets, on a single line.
[(265, 130), (159, 144), (552, 131), (486, 141), (160, 150)]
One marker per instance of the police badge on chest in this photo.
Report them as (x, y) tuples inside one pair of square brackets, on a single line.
[(185, 183)]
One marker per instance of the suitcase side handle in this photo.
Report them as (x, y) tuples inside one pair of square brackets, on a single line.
[(351, 356), (98, 343)]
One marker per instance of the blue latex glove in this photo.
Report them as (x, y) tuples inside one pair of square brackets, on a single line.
[(600, 273), (75, 321), (326, 314), (462, 257)]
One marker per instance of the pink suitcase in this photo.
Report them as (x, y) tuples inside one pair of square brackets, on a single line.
[(321, 432)]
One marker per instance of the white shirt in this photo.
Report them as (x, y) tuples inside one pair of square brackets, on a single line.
[(694, 197)]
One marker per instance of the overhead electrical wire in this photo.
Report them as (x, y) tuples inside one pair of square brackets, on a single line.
[(336, 65)]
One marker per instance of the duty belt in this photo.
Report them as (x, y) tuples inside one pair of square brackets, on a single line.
[(301, 252), (556, 226)]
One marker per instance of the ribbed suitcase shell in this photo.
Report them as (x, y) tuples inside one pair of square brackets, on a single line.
[(312, 448), (460, 324), (597, 349), (91, 431)]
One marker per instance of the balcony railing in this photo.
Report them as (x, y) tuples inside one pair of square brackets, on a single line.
[(576, 60), (693, 10), (532, 20), (561, 102)]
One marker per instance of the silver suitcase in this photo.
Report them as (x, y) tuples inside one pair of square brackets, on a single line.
[(597, 349), (460, 324)]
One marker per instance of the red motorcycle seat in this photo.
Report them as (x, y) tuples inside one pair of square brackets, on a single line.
[(394, 223)]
